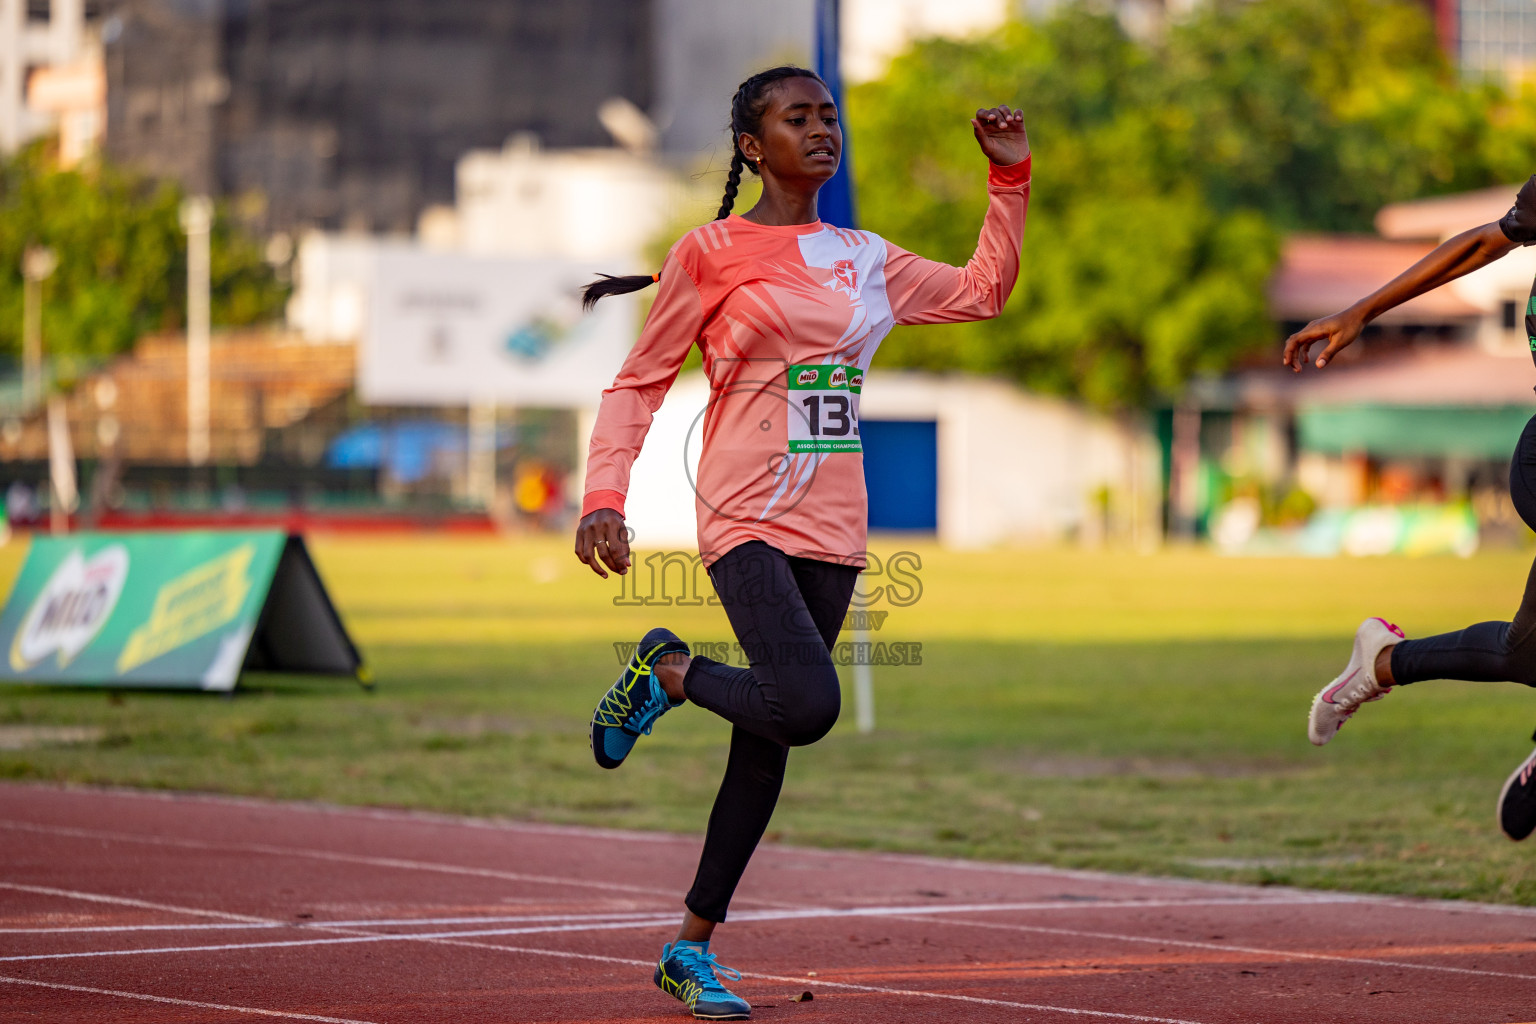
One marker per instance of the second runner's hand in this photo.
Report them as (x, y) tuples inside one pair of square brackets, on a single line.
[(1339, 331), (602, 539)]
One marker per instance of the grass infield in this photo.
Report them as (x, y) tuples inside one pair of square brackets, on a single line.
[(1085, 709)]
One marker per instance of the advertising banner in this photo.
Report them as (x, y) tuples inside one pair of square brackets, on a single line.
[(182, 610), (456, 329)]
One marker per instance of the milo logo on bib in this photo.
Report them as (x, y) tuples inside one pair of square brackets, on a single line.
[(824, 408)]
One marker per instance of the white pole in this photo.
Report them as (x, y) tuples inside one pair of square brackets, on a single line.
[(61, 467), (863, 681), (197, 221), (37, 264)]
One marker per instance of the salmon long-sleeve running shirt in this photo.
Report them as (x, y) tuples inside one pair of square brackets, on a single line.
[(788, 319)]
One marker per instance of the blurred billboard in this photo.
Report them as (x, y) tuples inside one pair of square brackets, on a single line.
[(453, 329)]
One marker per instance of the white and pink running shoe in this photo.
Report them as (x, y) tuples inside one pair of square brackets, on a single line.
[(1517, 801), (1356, 685)]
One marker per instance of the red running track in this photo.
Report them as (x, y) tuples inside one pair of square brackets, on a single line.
[(120, 906)]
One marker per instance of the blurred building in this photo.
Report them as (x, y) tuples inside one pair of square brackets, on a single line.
[(1494, 38), (704, 50), (1413, 424), (524, 200), (354, 113), (50, 73)]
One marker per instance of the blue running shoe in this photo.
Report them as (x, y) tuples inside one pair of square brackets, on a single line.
[(631, 706), (687, 971)]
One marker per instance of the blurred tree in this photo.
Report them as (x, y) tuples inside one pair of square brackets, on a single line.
[(1166, 173), (122, 258)]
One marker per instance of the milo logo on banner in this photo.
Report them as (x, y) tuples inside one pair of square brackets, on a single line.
[(184, 609), (72, 607)]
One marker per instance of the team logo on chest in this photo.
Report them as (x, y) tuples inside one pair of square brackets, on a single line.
[(846, 274)]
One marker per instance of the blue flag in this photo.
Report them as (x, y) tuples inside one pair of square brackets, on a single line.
[(835, 201)]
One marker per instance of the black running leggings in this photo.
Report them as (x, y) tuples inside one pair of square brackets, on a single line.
[(1487, 651), (786, 613)]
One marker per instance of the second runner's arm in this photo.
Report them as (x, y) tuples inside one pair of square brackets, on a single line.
[(1451, 259), (624, 415)]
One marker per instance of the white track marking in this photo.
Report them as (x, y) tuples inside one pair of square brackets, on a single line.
[(924, 914), (1198, 884), (648, 916), (1074, 1011), (312, 924), (659, 922), (179, 1002), (405, 922), (567, 923), (907, 913), (876, 989), (965, 908), (824, 983), (340, 858), (921, 913), (1220, 947), (125, 901), (771, 851)]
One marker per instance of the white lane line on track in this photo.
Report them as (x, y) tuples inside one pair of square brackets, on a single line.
[(966, 908), (1280, 893), (324, 925), (124, 901), (656, 921), (179, 1002), (1221, 947), (1197, 884), (920, 914), (825, 983), (570, 923), (329, 855), (351, 858), (1074, 1011), (439, 819), (354, 939), (647, 916)]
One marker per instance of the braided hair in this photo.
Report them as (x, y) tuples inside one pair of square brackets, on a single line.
[(747, 109)]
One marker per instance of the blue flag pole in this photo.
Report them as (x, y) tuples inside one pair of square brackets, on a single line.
[(835, 202)]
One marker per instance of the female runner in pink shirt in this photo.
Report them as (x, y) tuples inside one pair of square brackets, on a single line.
[(788, 312)]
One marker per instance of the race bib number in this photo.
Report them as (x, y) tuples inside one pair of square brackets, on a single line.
[(824, 408)]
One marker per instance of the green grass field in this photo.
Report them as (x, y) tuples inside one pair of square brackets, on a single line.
[(1088, 709)]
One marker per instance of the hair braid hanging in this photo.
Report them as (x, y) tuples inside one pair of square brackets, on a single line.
[(732, 183)]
